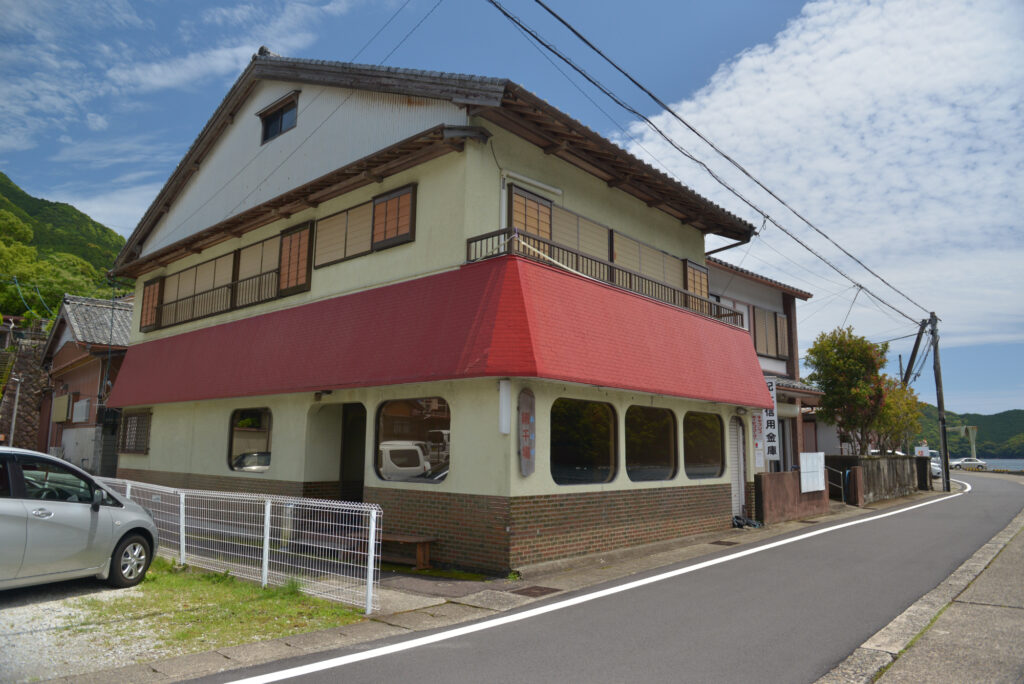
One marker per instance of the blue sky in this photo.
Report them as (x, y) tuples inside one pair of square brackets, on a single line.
[(895, 126)]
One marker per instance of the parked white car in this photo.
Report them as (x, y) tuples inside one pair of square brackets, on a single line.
[(403, 460), (961, 463), (58, 523)]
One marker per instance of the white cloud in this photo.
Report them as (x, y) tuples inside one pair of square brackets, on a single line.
[(230, 16), (96, 122), (893, 126), (101, 154)]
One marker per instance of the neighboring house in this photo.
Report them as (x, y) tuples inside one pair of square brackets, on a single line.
[(83, 355), (768, 308), (357, 263)]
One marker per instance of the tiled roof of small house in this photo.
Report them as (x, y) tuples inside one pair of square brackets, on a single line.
[(98, 321)]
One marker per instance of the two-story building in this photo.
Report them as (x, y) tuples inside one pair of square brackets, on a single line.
[(438, 293), (768, 312)]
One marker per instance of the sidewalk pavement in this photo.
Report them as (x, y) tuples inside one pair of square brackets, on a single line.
[(991, 610)]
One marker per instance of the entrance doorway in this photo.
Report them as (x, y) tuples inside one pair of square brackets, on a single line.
[(737, 463), (353, 452)]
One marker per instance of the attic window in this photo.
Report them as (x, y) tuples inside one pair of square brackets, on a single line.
[(279, 116)]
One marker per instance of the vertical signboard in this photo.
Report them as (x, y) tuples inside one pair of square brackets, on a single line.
[(527, 432), (771, 427)]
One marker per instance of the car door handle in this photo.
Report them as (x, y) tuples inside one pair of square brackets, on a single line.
[(42, 513)]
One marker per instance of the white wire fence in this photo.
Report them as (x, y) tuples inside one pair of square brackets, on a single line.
[(331, 548)]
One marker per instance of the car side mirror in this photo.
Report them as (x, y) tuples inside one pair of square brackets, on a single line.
[(97, 498)]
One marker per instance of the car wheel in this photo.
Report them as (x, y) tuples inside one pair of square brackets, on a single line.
[(130, 561)]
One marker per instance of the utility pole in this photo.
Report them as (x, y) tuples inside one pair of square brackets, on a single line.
[(933, 322), (14, 416)]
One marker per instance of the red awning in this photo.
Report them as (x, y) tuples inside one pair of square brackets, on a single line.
[(503, 317)]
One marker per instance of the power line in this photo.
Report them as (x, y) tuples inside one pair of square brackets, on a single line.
[(383, 26), (725, 156), (619, 101)]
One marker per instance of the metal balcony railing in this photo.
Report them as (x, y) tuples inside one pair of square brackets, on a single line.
[(245, 292), (510, 241)]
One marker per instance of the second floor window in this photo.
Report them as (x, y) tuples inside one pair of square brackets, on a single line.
[(276, 267), (280, 116), (771, 333)]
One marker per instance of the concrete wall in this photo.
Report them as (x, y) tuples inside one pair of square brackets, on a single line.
[(885, 477)]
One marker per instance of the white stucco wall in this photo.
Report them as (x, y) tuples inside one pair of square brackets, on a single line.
[(193, 437), (334, 127)]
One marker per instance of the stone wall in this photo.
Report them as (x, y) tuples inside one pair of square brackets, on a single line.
[(27, 366)]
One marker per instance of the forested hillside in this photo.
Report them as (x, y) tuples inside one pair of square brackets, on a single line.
[(1000, 435), (48, 249)]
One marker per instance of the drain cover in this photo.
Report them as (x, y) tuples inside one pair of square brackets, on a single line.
[(535, 592), (722, 542)]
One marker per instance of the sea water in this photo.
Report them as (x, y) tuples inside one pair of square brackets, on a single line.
[(1005, 463)]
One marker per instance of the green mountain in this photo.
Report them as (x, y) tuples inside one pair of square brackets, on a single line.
[(49, 249), (60, 228), (1000, 435)]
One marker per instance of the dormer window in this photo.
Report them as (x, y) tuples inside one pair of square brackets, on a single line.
[(279, 116)]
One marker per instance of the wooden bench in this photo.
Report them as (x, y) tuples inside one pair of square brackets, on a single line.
[(422, 561)]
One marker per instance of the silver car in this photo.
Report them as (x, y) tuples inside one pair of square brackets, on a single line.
[(57, 523)]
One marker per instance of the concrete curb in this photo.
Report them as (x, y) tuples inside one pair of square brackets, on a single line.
[(886, 645)]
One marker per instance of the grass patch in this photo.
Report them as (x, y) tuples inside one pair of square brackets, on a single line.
[(435, 572), (186, 610)]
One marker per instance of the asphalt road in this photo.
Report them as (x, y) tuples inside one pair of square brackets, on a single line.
[(786, 614)]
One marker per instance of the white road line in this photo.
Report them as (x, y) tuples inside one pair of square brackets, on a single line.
[(559, 605)]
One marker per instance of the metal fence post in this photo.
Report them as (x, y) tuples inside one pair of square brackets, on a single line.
[(128, 490), (181, 528), (266, 541), (371, 542)]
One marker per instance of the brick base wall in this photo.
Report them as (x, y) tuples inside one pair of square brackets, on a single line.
[(471, 529), (563, 525)]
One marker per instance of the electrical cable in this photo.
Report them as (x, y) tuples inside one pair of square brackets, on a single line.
[(725, 156), (41, 300), (383, 26), (615, 98), (852, 302)]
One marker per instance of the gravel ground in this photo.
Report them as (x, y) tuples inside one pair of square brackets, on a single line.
[(36, 644)]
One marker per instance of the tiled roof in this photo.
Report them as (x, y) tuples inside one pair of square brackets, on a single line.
[(98, 321), (786, 383), (503, 317)]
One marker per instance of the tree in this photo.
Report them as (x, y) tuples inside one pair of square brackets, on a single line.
[(847, 368), (899, 417), (13, 229)]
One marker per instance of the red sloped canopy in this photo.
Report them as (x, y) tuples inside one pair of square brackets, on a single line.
[(504, 317)]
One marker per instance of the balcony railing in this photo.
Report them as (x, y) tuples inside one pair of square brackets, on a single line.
[(509, 241), (241, 293)]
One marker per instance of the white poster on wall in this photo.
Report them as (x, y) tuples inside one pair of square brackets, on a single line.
[(757, 430)]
